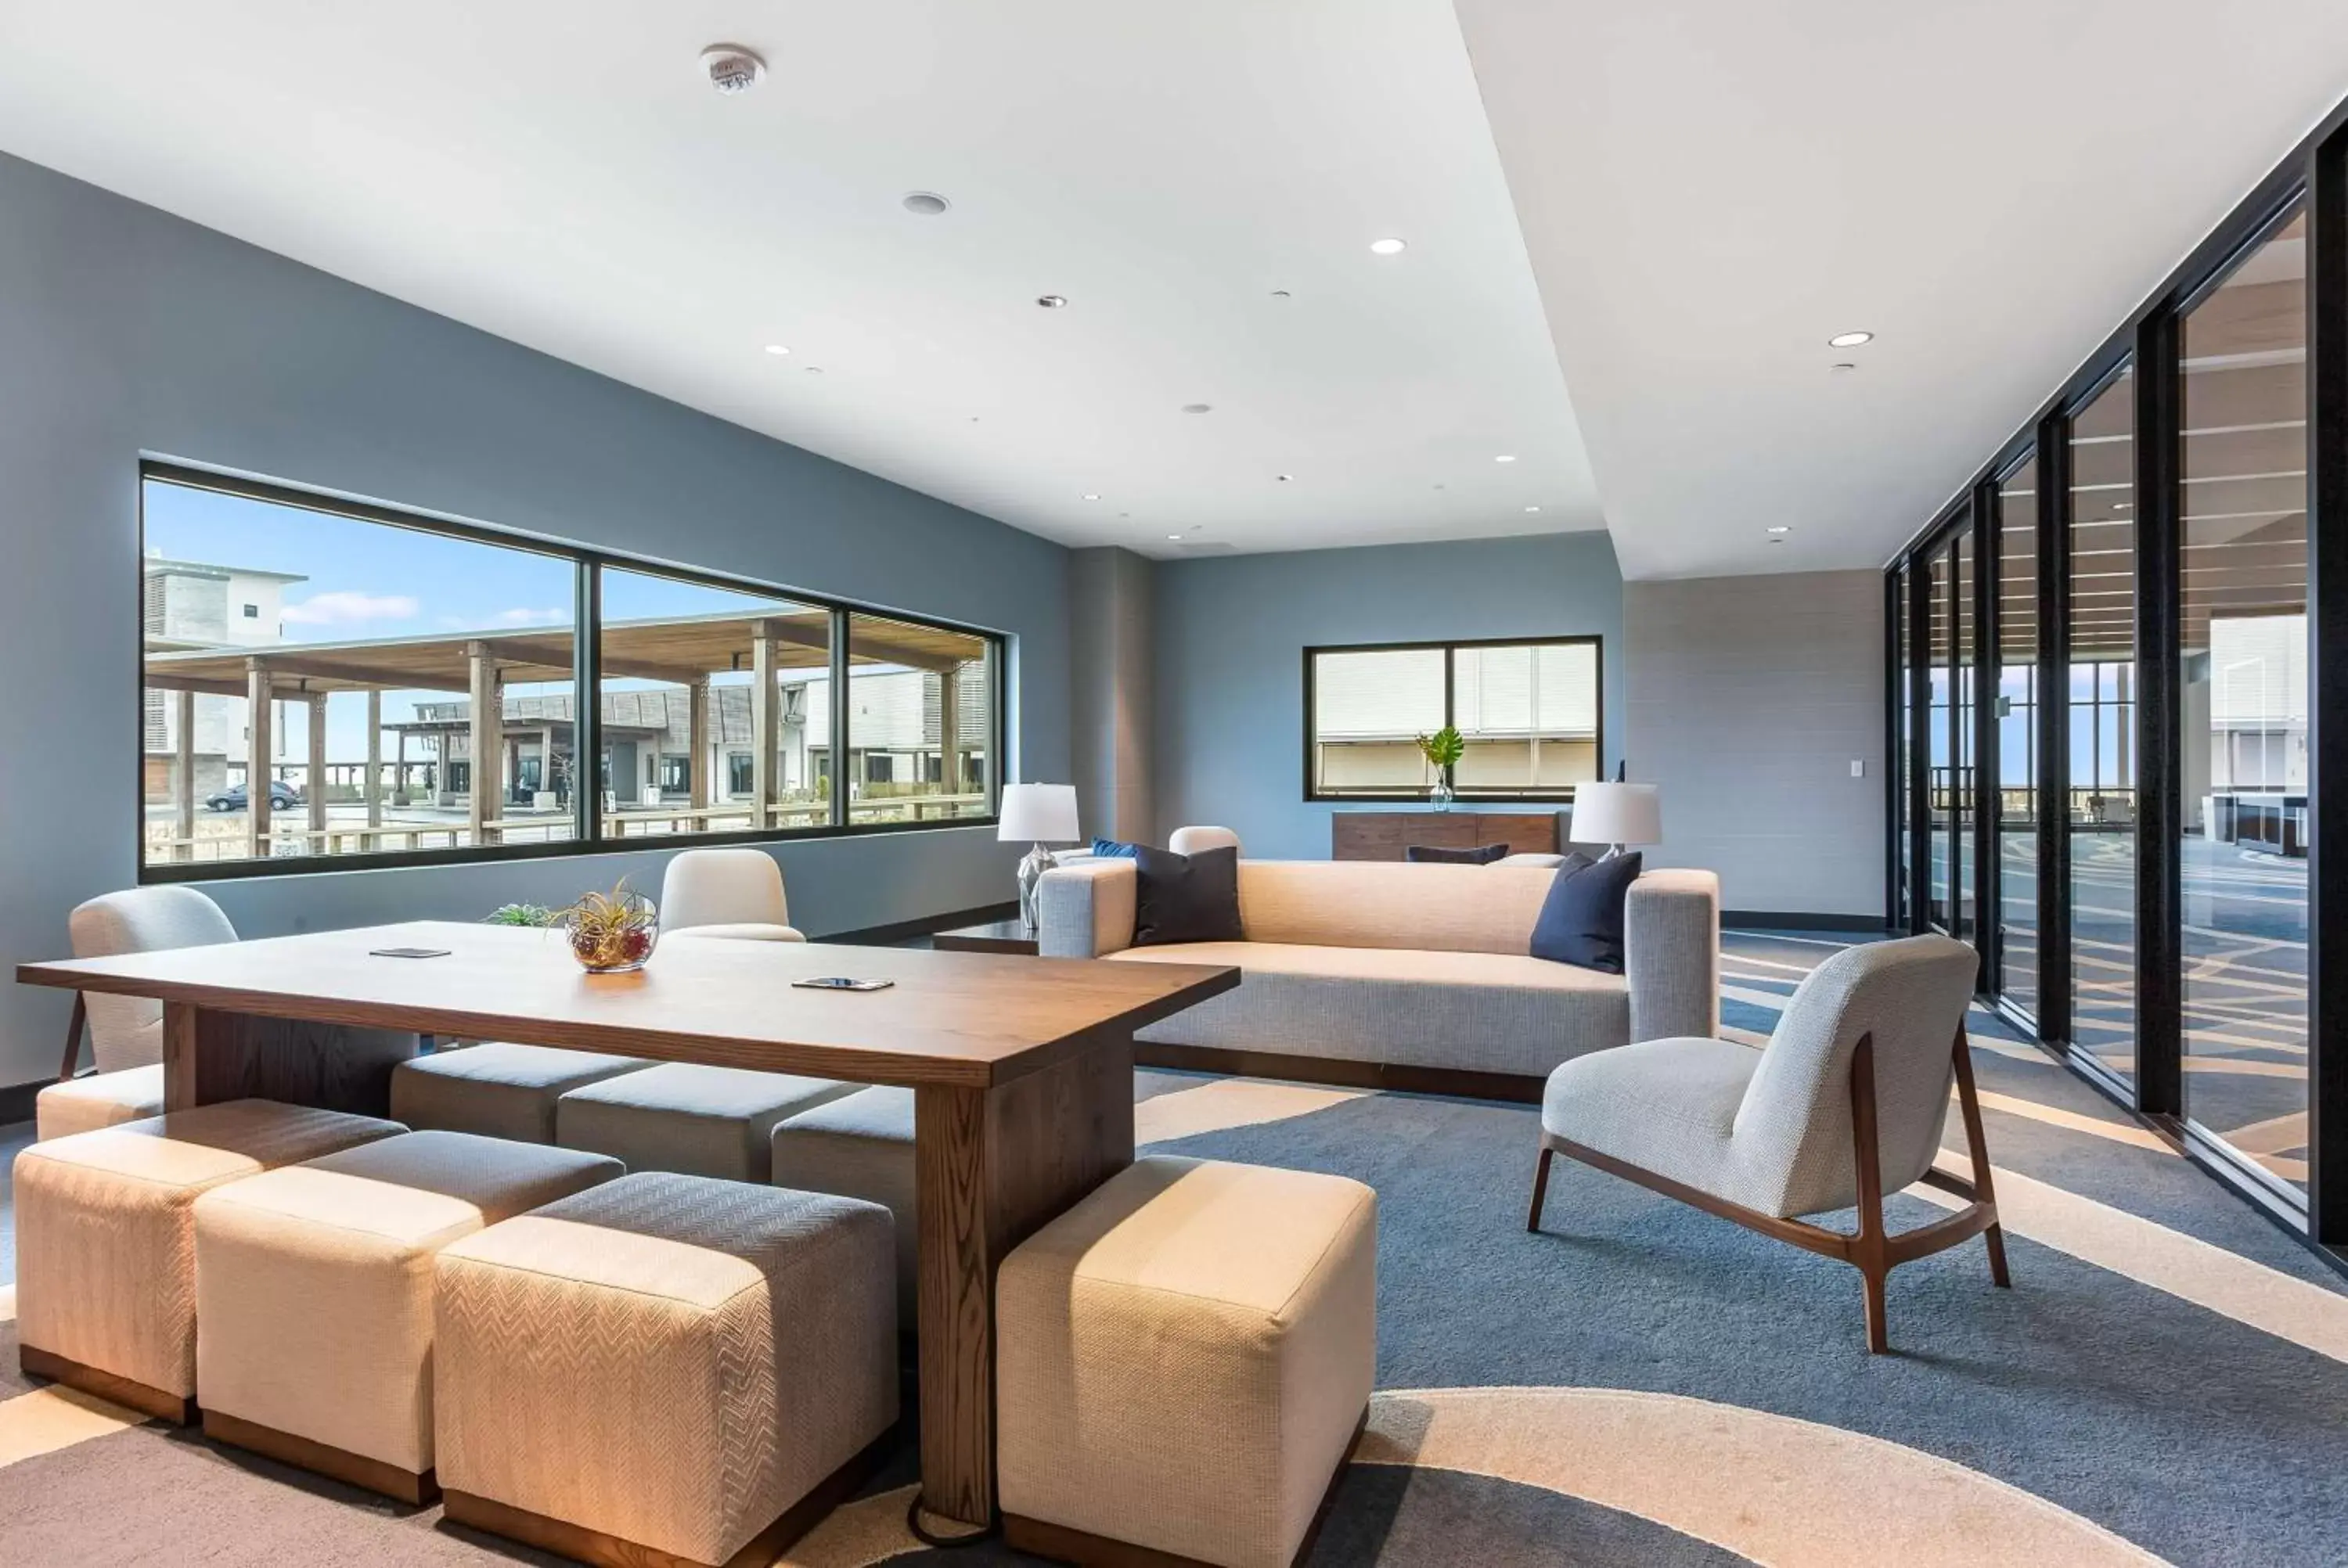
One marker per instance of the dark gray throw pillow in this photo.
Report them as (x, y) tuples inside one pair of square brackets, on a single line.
[(1482, 855), (1581, 921), (1186, 898)]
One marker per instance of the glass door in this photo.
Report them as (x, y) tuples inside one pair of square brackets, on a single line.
[(1947, 780), (2015, 716)]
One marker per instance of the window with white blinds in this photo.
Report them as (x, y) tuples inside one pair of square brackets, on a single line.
[(1528, 715)]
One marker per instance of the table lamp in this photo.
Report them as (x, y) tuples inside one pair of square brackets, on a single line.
[(1617, 815), (1041, 813)]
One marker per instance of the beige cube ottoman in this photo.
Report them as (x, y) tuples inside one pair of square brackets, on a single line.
[(106, 1254), (314, 1286), (665, 1364), (497, 1090), (690, 1119), (1183, 1362), (98, 1100)]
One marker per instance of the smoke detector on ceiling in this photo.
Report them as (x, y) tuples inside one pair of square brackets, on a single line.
[(733, 69)]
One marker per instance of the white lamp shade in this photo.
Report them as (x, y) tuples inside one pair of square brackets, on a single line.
[(1617, 813), (1038, 813)]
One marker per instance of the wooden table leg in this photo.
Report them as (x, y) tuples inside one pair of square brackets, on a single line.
[(210, 1056), (994, 1164)]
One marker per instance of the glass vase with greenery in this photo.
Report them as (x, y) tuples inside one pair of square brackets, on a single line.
[(1442, 750)]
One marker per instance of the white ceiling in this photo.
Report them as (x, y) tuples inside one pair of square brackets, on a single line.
[(1710, 189), (558, 172)]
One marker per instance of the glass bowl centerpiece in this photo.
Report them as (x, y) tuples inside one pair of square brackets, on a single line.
[(611, 933)]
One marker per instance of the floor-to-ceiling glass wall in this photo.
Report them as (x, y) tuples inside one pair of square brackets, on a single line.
[(1962, 847), (2243, 708), (2102, 683), (2016, 718), (1903, 698), (1940, 678)]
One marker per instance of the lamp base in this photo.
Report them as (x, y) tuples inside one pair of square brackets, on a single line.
[(1038, 861)]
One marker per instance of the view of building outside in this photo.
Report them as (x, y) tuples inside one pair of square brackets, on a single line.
[(1528, 715)]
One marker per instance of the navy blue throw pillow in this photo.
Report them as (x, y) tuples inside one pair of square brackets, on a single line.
[(1111, 849), (1482, 855), (1582, 919), (1186, 898)]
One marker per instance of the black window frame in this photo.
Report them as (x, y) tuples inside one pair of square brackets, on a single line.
[(588, 563), (1450, 692)]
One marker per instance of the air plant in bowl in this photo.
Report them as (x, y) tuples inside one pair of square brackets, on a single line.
[(611, 933)]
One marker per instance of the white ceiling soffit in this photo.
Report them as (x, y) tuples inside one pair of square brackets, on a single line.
[(559, 172), (1710, 189)]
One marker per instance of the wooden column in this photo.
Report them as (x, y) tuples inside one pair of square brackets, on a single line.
[(487, 739), (766, 727), (993, 1165), (258, 715), (183, 789), (950, 731), (698, 740), (372, 790), (317, 784)]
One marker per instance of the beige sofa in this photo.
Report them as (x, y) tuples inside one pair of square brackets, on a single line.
[(1404, 976)]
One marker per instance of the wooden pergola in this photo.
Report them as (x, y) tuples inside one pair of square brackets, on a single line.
[(681, 651)]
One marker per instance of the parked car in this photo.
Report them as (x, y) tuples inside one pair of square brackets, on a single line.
[(281, 796)]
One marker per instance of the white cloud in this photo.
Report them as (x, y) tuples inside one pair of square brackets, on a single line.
[(530, 618), (342, 608)]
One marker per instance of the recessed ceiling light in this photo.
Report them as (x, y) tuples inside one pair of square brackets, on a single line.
[(1842, 365), (928, 203), (1284, 478), (1780, 529), (1504, 458), (777, 348), (1092, 494), (1279, 294), (1387, 247), (1849, 340), (1198, 408), (1173, 536), (1053, 302), (1533, 508), (815, 370)]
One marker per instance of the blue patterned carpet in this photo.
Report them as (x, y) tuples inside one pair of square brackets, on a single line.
[(1640, 1384)]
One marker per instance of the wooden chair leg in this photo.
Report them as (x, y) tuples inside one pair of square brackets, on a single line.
[(1540, 1189), (1868, 1249), (73, 1038), (1977, 1146)]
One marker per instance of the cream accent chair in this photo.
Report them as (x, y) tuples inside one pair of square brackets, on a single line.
[(736, 893), (1197, 840), (1183, 1360), (1845, 1104), (126, 1033), (665, 1369), (106, 1263), (314, 1289)]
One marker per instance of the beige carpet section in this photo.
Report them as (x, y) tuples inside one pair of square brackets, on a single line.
[(1229, 1103), (8, 1304), (2055, 1116), (1776, 1490), (47, 1420), (2151, 1253), (857, 1534)]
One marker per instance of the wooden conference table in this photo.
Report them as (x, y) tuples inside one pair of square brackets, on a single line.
[(1022, 1073)]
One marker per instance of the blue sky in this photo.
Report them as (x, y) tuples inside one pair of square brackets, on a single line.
[(366, 580)]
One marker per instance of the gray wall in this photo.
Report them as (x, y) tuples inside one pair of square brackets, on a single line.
[(125, 331), (1109, 679), (1750, 697), (1231, 636)]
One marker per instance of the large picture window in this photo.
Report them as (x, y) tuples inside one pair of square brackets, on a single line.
[(1529, 714), (323, 680)]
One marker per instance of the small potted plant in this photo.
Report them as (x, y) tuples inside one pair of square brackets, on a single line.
[(611, 933), (1442, 750)]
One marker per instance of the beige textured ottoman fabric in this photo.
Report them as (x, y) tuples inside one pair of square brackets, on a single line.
[(862, 1146), (497, 1090), (693, 1120), (100, 1100), (313, 1282), (106, 1262), (1183, 1357), (667, 1359)]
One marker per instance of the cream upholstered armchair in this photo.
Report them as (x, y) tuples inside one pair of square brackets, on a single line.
[(126, 1033), (1200, 839), (736, 893), (1845, 1104)]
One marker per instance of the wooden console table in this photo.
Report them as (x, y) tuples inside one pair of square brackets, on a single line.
[(1385, 834)]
